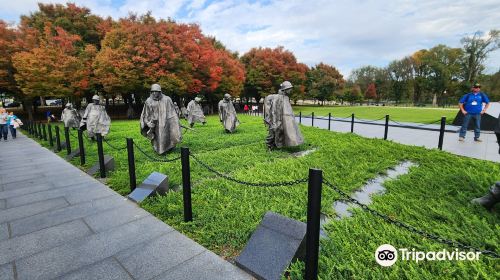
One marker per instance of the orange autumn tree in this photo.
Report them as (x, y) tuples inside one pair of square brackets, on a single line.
[(51, 65), (267, 68), (371, 92), (8, 48), (140, 51)]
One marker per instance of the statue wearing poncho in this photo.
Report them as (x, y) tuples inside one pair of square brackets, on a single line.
[(227, 114), (159, 121), (279, 117), (195, 112), (95, 119), (70, 116)]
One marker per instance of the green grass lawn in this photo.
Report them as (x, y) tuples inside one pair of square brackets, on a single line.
[(434, 196), (402, 114)]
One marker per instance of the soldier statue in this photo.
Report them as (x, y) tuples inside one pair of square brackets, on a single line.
[(489, 200), (195, 112), (227, 114), (95, 119), (279, 117), (160, 122), (70, 116)]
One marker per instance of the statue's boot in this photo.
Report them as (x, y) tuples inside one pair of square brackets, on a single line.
[(490, 199)]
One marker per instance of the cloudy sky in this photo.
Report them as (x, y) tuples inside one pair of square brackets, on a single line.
[(344, 33)]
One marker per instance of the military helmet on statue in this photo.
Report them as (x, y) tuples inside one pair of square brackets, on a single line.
[(95, 97), (227, 96), (155, 87), (286, 85)]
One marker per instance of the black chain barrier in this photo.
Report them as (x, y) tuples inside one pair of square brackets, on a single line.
[(152, 158), (416, 125), (370, 121), (253, 184), (410, 228), (113, 146)]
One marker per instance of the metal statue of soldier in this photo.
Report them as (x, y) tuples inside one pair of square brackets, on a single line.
[(283, 130), (177, 110), (70, 116), (195, 112), (160, 122), (95, 119), (227, 114)]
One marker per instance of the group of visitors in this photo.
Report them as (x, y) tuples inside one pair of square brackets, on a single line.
[(8, 121)]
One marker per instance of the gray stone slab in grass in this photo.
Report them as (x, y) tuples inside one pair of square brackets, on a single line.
[(59, 216), (114, 217), (20, 212), (109, 269), (4, 231), (213, 267), (29, 244), (109, 165), (151, 258), (88, 250), (274, 244), (154, 183), (7, 272)]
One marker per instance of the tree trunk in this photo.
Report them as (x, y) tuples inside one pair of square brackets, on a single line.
[(28, 107)]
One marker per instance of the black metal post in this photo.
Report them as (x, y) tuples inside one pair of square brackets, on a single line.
[(186, 185), (40, 136), (81, 147), (58, 139), (131, 164), (300, 117), (36, 130), (100, 154), (386, 126), (51, 141), (352, 123), (329, 120), (44, 132), (441, 132), (313, 221), (30, 127), (68, 141), (312, 122)]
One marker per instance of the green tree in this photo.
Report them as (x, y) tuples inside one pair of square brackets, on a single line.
[(477, 49), (323, 81)]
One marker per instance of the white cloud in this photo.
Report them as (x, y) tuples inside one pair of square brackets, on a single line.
[(346, 34)]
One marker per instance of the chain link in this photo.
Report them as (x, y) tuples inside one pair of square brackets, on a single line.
[(114, 147), (416, 125), (410, 228), (152, 158), (276, 184)]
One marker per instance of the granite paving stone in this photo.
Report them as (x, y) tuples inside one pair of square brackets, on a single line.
[(7, 272), (3, 204), (21, 191), (29, 244), (4, 231), (108, 269), (214, 268), (160, 254), (115, 217), (59, 216), (73, 255), (15, 213)]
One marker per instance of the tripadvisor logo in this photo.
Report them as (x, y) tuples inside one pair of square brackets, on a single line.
[(387, 255)]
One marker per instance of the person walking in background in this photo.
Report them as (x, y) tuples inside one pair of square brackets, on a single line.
[(3, 124), (13, 123), (471, 105), (245, 109)]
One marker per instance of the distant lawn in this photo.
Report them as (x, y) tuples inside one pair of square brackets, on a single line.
[(402, 114)]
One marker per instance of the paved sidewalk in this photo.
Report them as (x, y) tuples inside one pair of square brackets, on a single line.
[(57, 222), (488, 149)]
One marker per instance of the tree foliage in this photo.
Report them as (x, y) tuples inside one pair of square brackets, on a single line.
[(8, 48), (371, 92), (140, 51), (477, 49), (267, 68), (323, 81)]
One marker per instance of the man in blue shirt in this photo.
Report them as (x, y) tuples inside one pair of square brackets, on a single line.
[(471, 106)]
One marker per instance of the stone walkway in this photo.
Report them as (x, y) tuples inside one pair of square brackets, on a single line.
[(57, 222), (488, 149)]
